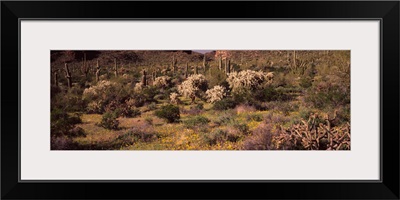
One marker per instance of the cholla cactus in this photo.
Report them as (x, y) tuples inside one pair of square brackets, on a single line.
[(193, 86), (98, 89), (174, 98), (246, 80), (215, 94), (162, 81), (138, 87)]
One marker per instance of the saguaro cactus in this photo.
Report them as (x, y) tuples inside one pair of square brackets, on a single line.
[(115, 67), (97, 71), (144, 80), (196, 71), (228, 67), (187, 70), (220, 63), (204, 61), (173, 65), (85, 68), (294, 58), (68, 75), (153, 76), (55, 78)]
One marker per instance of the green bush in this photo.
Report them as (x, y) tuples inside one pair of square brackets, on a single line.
[(328, 96), (149, 93), (224, 104), (64, 124), (225, 119), (196, 121), (200, 106), (242, 128), (214, 137), (306, 82), (152, 106), (270, 94), (109, 121), (169, 112)]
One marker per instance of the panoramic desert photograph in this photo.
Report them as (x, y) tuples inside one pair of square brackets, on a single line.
[(200, 99)]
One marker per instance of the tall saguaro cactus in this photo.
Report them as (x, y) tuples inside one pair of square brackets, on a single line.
[(220, 63), (55, 78), (173, 64), (85, 67), (68, 75), (187, 70), (144, 80), (204, 61), (115, 67), (196, 71), (153, 75), (97, 71), (228, 67), (294, 58)]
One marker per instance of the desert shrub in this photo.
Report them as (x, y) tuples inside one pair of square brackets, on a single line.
[(242, 128), (149, 93), (224, 104), (269, 93), (152, 106), (62, 124), (216, 77), (286, 108), (242, 108), (77, 132), (140, 133), (225, 118), (196, 121), (215, 94), (276, 119), (260, 139), (112, 106), (254, 117), (343, 115), (305, 81), (109, 121), (149, 120), (54, 90), (61, 143), (136, 101), (327, 95), (232, 134), (70, 100), (127, 111), (199, 106), (168, 112), (134, 112), (214, 137), (159, 97), (191, 111)]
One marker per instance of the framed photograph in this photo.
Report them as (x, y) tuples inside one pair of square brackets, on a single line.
[(281, 96)]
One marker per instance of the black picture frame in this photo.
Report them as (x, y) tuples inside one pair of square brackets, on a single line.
[(386, 11)]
